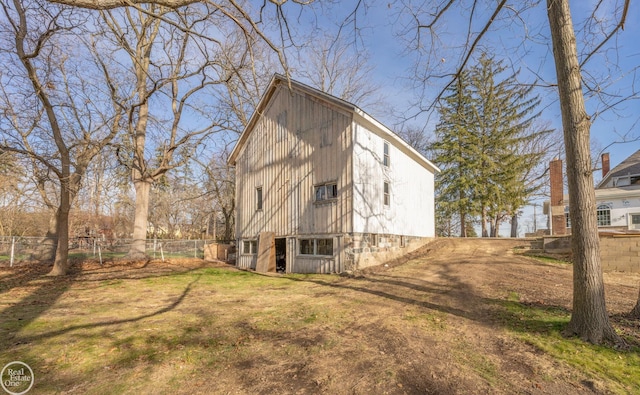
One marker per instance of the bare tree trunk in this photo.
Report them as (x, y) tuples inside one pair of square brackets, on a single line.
[(635, 313), (485, 233), (61, 263), (138, 248), (46, 250), (514, 225), (463, 224), (589, 319)]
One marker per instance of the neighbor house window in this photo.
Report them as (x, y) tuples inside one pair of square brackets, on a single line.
[(604, 215), (316, 246), (385, 158), (567, 219), (250, 247), (326, 191), (259, 198), (387, 194)]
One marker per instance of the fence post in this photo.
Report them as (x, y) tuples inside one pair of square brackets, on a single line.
[(13, 246), (195, 248), (161, 252)]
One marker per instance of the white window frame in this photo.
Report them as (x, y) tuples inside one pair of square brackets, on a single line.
[(386, 158), (251, 245), (386, 193), (603, 214)]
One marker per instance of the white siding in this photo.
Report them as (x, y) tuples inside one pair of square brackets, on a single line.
[(411, 209), (621, 208)]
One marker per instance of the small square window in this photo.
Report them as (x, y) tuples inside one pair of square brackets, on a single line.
[(250, 247), (306, 246), (325, 246)]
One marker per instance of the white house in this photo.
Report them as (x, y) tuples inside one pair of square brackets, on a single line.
[(323, 187), (617, 198)]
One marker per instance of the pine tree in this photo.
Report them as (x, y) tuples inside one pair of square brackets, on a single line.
[(483, 146), (453, 153)]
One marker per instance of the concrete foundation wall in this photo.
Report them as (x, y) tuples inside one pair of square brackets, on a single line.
[(619, 253)]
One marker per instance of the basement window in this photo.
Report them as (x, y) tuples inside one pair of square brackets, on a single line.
[(250, 247), (323, 247)]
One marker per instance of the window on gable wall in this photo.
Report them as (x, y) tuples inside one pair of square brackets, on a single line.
[(259, 198), (281, 133), (326, 191), (385, 157), (604, 215)]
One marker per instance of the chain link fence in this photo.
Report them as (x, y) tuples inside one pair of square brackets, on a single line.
[(16, 250)]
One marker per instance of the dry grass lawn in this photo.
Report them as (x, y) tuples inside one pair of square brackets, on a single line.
[(457, 317)]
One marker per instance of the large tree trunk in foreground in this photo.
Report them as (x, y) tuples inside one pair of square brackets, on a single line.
[(589, 319)]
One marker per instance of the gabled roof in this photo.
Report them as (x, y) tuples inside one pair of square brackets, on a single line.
[(359, 115), (629, 166)]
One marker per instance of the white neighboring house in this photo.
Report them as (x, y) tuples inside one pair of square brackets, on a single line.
[(334, 188), (617, 198)]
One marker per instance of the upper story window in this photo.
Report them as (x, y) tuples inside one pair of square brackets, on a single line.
[(281, 133), (326, 191), (604, 215), (626, 180), (387, 193), (385, 158), (259, 198)]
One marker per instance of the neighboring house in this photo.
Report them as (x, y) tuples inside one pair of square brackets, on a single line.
[(617, 197), (323, 187)]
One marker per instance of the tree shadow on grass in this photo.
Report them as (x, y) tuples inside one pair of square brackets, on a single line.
[(71, 328)]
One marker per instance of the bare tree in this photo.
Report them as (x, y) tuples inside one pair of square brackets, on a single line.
[(337, 67), (49, 114)]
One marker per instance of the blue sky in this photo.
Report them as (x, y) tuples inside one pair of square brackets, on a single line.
[(382, 24)]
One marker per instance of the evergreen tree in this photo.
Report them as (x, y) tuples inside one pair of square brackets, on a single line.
[(483, 146)]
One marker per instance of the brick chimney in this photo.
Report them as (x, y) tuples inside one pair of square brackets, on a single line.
[(558, 224), (605, 164)]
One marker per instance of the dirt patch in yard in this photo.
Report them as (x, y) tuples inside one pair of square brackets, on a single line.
[(435, 322)]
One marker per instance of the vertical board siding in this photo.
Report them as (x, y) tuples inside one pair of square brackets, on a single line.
[(287, 170)]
